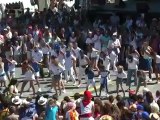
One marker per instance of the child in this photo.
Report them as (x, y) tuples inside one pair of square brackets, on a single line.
[(90, 74), (12, 65), (120, 76), (71, 114), (104, 80), (141, 75)]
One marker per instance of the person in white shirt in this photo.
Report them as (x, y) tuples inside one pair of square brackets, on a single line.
[(36, 33), (104, 80), (132, 69), (73, 38), (3, 76), (97, 40), (59, 53), (93, 55), (57, 69), (83, 63), (121, 75), (29, 77), (105, 61), (70, 65), (114, 47), (16, 52), (37, 55), (12, 66), (46, 49), (89, 38)]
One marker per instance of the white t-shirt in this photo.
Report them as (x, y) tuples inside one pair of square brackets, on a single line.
[(16, 50), (115, 43), (69, 62), (94, 53), (56, 70), (97, 42), (72, 39), (36, 35), (106, 61), (12, 66), (132, 65), (76, 51), (86, 109), (45, 50), (83, 61), (121, 75), (37, 56), (89, 41)]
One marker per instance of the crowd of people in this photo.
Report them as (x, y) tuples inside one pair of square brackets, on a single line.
[(58, 39)]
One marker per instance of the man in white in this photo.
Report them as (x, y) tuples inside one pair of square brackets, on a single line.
[(132, 70), (70, 65), (37, 55), (89, 38), (12, 65), (36, 34), (114, 47), (83, 63), (97, 40)]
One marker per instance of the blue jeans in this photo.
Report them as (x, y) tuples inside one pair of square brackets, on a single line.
[(131, 72)]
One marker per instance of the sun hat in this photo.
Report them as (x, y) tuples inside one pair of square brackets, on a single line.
[(16, 100), (106, 117), (154, 116), (42, 100)]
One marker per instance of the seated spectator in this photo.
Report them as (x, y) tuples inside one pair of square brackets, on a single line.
[(12, 115)]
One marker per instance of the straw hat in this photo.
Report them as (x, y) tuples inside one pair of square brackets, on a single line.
[(42, 101), (16, 100)]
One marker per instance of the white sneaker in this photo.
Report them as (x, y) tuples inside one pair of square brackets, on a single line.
[(79, 85), (150, 80), (64, 91), (107, 95), (51, 90), (39, 90)]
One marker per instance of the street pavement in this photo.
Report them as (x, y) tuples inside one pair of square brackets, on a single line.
[(71, 90)]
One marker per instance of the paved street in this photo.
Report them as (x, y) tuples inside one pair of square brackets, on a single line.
[(70, 89)]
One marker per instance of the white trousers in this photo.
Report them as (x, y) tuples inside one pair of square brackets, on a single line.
[(69, 74)]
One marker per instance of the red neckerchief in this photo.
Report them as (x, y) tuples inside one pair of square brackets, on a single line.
[(86, 102)]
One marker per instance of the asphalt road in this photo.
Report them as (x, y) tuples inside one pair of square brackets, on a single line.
[(71, 90)]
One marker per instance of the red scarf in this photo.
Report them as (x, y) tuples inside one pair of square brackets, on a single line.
[(86, 102)]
